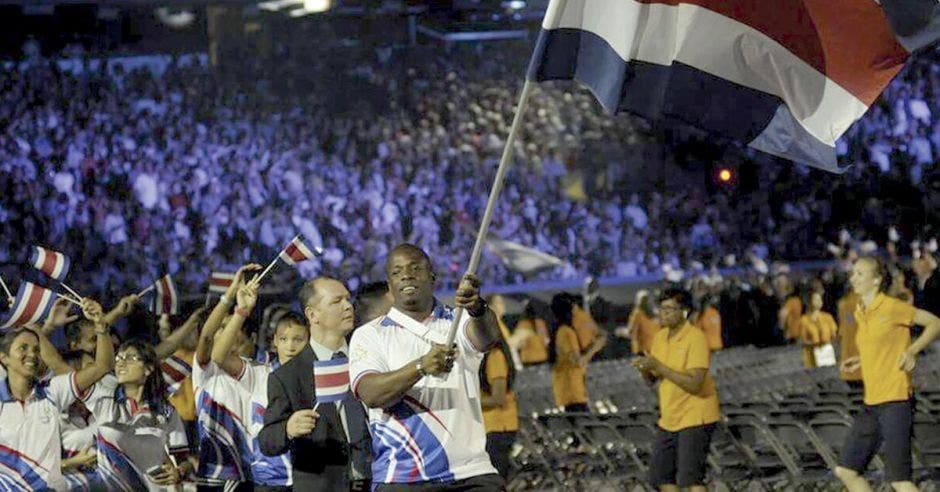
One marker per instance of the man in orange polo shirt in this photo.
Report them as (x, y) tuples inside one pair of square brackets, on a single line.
[(688, 399), (886, 356)]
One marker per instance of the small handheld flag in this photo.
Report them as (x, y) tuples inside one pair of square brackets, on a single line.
[(32, 305), (219, 282), (175, 370), (331, 380), (165, 299), (55, 265), (295, 252), (52, 263)]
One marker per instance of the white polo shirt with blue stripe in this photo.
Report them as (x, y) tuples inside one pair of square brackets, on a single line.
[(30, 442), (435, 432)]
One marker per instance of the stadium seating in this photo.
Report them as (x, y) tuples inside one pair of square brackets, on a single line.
[(782, 426)]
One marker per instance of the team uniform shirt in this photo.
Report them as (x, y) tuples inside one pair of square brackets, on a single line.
[(687, 349), (269, 471), (815, 333), (710, 323), (584, 325), (435, 432), (30, 439), (534, 350), (820, 331), (133, 438), (791, 324), (568, 378), (78, 433), (884, 333), (847, 330), (223, 416), (646, 328), (506, 417)]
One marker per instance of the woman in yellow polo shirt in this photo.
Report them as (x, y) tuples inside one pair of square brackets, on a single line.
[(688, 400), (817, 328), (500, 412), (886, 358), (569, 360)]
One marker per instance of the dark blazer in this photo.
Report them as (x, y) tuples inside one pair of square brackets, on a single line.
[(321, 458)]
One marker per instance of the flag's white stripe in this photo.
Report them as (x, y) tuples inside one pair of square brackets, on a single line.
[(173, 298), (332, 391), (21, 306), (695, 36), (40, 258)]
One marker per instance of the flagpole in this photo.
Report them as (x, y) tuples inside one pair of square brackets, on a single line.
[(266, 270), (67, 298), (148, 289), (71, 290), (6, 289), (208, 296), (504, 162)]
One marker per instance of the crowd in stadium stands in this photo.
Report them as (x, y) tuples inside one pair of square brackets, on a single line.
[(137, 174)]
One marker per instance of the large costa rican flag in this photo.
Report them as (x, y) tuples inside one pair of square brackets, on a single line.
[(32, 305), (331, 379), (165, 299), (298, 251), (52, 263), (788, 77), (219, 282)]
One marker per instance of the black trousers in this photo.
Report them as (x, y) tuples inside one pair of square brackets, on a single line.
[(481, 483), (498, 446)]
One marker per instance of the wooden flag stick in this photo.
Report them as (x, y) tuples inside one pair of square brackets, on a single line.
[(148, 289), (504, 162), (71, 290), (68, 298), (7, 290), (266, 270)]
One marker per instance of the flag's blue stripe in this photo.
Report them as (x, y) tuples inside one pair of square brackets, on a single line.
[(330, 363), (658, 92)]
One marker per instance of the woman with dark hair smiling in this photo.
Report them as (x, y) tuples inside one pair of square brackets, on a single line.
[(141, 440), (30, 439)]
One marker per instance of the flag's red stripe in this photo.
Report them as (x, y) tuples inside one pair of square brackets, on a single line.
[(331, 380), (171, 371), (221, 282), (49, 262), (849, 41), (33, 303), (295, 253)]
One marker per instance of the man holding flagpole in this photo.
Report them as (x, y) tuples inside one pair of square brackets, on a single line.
[(423, 395)]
